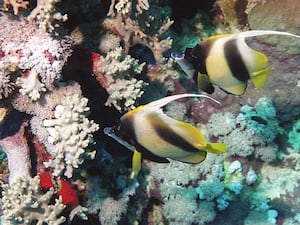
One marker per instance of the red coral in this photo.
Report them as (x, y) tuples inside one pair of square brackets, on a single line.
[(68, 194), (66, 190), (95, 59), (46, 181)]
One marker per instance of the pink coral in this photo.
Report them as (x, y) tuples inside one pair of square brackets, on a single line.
[(18, 153)]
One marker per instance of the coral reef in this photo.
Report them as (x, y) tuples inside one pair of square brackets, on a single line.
[(68, 69), (252, 132)]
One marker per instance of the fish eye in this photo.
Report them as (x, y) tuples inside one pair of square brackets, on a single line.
[(177, 55)]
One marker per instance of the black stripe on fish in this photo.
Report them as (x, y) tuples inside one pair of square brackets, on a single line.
[(235, 61), (198, 54), (168, 135), (126, 129)]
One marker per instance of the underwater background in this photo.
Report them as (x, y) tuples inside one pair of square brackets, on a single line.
[(71, 68)]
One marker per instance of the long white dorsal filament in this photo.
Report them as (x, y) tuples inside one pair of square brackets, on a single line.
[(162, 102)]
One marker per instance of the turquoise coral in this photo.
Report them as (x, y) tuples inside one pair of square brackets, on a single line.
[(294, 135)]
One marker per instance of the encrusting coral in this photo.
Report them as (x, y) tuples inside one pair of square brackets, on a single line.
[(252, 132), (26, 47)]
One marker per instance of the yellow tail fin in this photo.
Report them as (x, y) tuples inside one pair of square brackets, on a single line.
[(260, 60), (259, 78), (216, 148)]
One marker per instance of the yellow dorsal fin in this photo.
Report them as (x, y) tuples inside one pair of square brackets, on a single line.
[(216, 148), (259, 78)]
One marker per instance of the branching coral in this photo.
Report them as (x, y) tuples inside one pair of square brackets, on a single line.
[(117, 72), (135, 26), (23, 202), (6, 85), (46, 14), (31, 85), (15, 4), (70, 134)]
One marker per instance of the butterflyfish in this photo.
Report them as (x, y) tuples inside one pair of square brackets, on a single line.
[(148, 130), (228, 62)]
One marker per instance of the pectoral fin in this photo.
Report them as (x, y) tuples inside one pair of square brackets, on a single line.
[(204, 84), (259, 78), (216, 148), (136, 164)]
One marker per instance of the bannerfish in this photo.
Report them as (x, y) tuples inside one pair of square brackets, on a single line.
[(148, 130), (227, 61)]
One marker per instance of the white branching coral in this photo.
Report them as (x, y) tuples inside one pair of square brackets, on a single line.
[(120, 65), (70, 133), (46, 14), (119, 70), (23, 202), (31, 85), (124, 93)]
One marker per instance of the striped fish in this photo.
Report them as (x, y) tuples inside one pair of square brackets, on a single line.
[(154, 133), (228, 62)]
